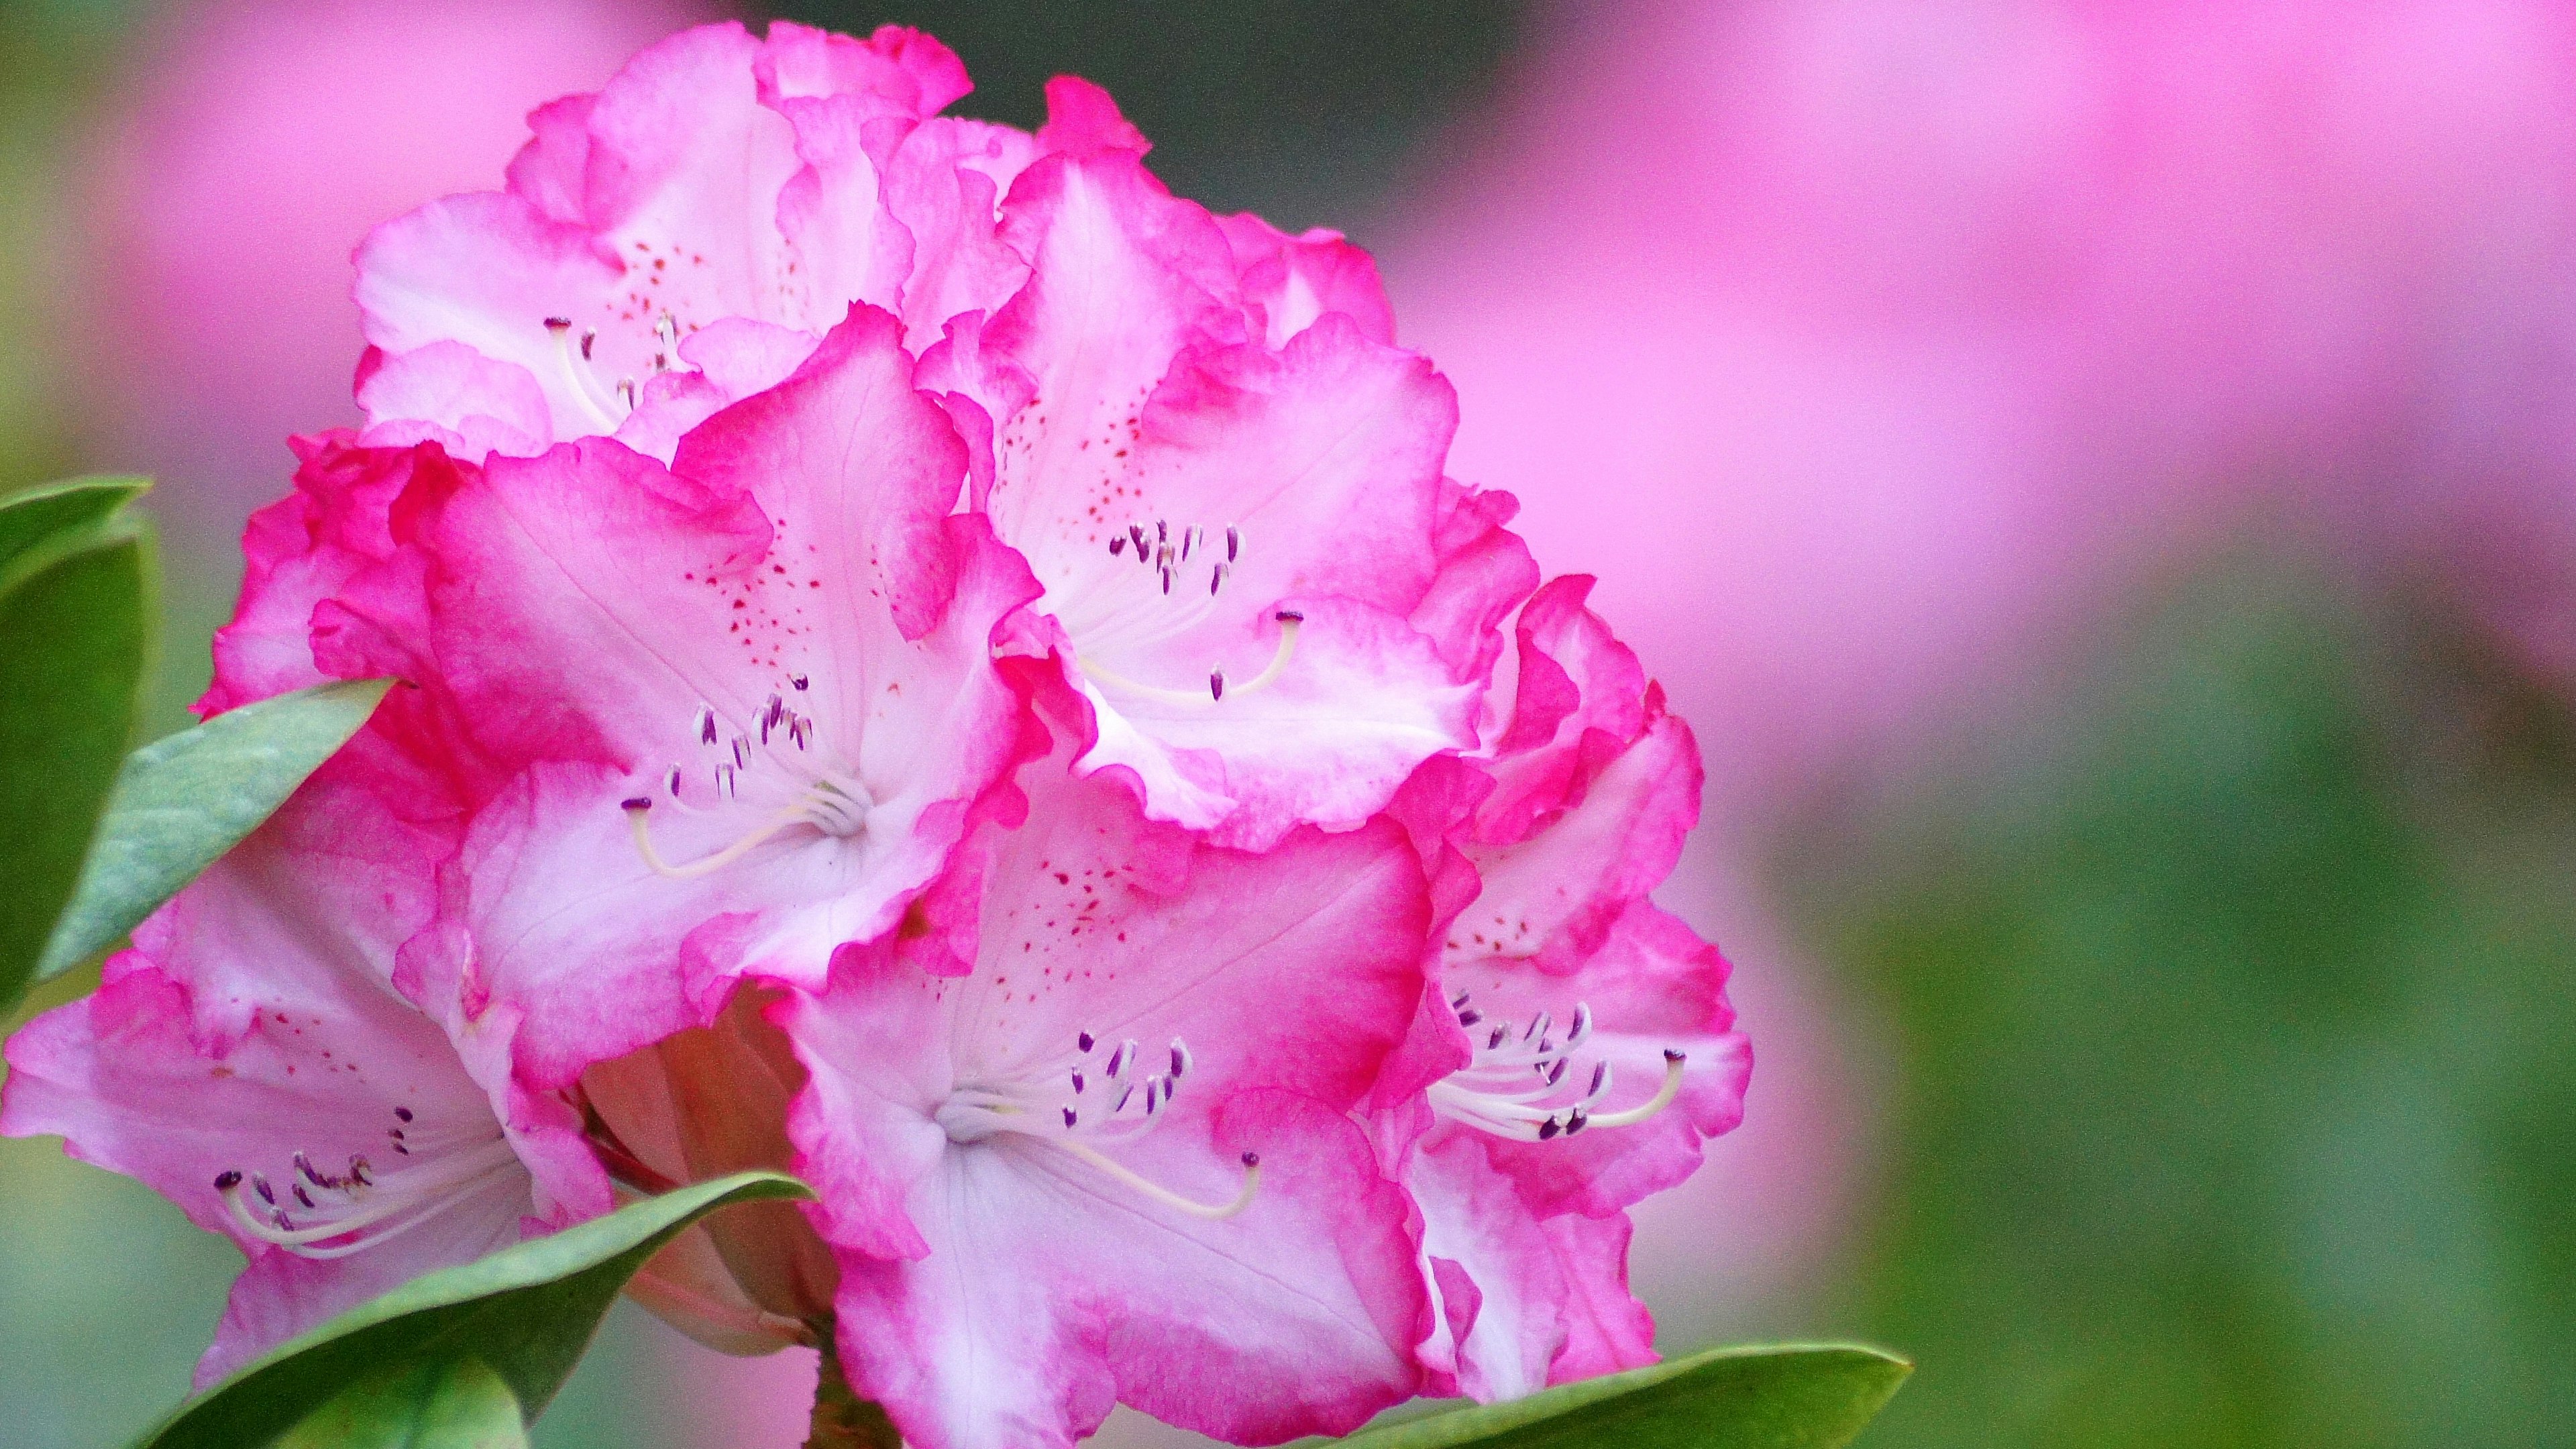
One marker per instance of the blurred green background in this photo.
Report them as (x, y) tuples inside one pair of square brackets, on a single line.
[(2194, 1036)]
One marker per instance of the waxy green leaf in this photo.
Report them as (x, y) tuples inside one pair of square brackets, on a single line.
[(180, 803), (32, 519), (76, 628), (456, 1405), (1786, 1396), (526, 1313)]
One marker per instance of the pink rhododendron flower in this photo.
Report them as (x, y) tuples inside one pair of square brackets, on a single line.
[(748, 706), (992, 708), (1112, 1162), (699, 1104), (679, 240), (1585, 1047), (1274, 601), (1195, 429), (246, 147), (251, 1061)]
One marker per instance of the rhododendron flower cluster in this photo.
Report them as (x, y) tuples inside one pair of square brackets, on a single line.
[(934, 665)]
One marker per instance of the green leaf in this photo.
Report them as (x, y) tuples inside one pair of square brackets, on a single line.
[(528, 1312), (75, 633), (31, 519), (456, 1405), (180, 803), (1787, 1396)]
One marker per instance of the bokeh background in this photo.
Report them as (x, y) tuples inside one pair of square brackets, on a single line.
[(2100, 476)]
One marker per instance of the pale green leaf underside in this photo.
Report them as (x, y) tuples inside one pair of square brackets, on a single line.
[(1785, 1396), (180, 803)]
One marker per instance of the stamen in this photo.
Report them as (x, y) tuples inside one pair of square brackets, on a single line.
[(578, 373), (362, 1200), (1492, 1095)]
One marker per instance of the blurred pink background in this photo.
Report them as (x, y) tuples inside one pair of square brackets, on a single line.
[(250, 147), (1870, 353)]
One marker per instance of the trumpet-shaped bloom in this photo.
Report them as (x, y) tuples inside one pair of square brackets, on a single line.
[(1258, 571), (1196, 429), (1112, 1163), (678, 240), (1584, 1047), (750, 703), (250, 1061)]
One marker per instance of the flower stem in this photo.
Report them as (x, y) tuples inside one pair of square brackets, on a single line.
[(843, 1420)]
